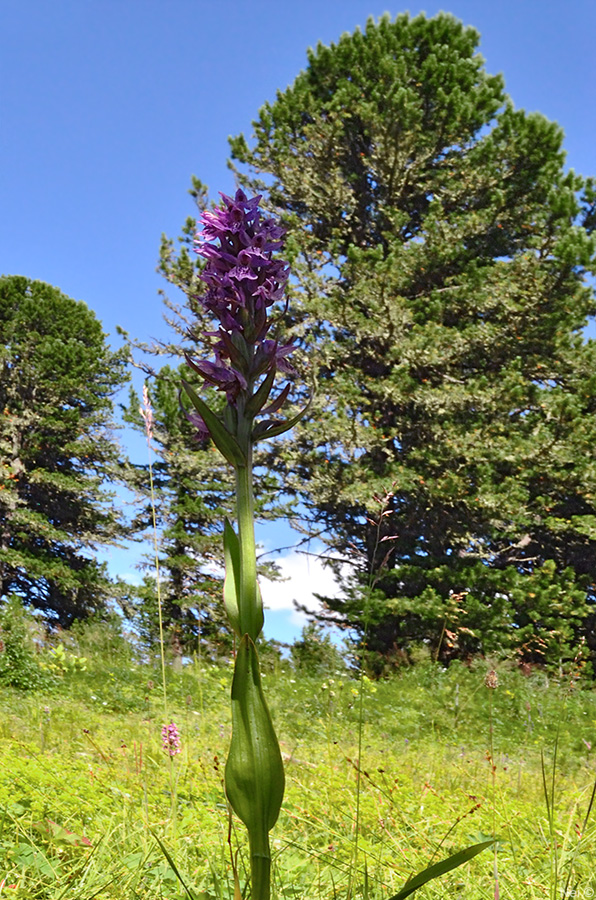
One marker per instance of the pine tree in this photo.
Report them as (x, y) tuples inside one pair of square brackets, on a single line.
[(441, 253), (57, 451)]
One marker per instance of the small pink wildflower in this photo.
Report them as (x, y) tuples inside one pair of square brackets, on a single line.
[(171, 739)]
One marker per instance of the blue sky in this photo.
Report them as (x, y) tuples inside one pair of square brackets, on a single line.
[(108, 106)]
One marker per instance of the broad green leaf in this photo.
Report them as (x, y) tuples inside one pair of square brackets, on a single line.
[(254, 776), (225, 442), (245, 618), (232, 576), (440, 868)]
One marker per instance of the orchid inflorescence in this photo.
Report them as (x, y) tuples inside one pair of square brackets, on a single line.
[(242, 281), (170, 737)]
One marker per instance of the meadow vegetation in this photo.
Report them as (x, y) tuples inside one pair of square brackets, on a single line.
[(87, 792)]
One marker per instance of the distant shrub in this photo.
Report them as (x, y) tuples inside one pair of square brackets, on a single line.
[(61, 662), (315, 653), (100, 636), (271, 656), (19, 663)]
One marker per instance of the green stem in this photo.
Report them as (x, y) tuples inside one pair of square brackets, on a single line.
[(250, 604), (250, 612), (260, 873)]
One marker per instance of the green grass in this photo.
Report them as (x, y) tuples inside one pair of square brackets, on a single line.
[(85, 788)]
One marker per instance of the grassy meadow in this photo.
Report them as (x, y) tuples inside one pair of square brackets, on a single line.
[(87, 793)]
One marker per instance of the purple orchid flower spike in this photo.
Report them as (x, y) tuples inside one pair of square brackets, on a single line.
[(242, 281), (170, 737)]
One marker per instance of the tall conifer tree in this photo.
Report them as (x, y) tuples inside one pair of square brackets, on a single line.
[(57, 451), (441, 251)]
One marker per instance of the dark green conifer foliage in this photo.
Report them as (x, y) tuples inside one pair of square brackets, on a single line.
[(57, 451), (441, 254)]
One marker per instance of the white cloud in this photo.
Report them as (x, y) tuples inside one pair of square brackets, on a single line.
[(130, 577), (305, 575)]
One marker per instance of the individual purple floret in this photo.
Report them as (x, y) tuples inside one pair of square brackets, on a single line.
[(170, 737), (242, 281)]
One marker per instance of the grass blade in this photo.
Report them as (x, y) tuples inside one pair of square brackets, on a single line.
[(438, 869), (174, 867)]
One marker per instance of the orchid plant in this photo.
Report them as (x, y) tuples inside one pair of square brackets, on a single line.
[(242, 281)]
